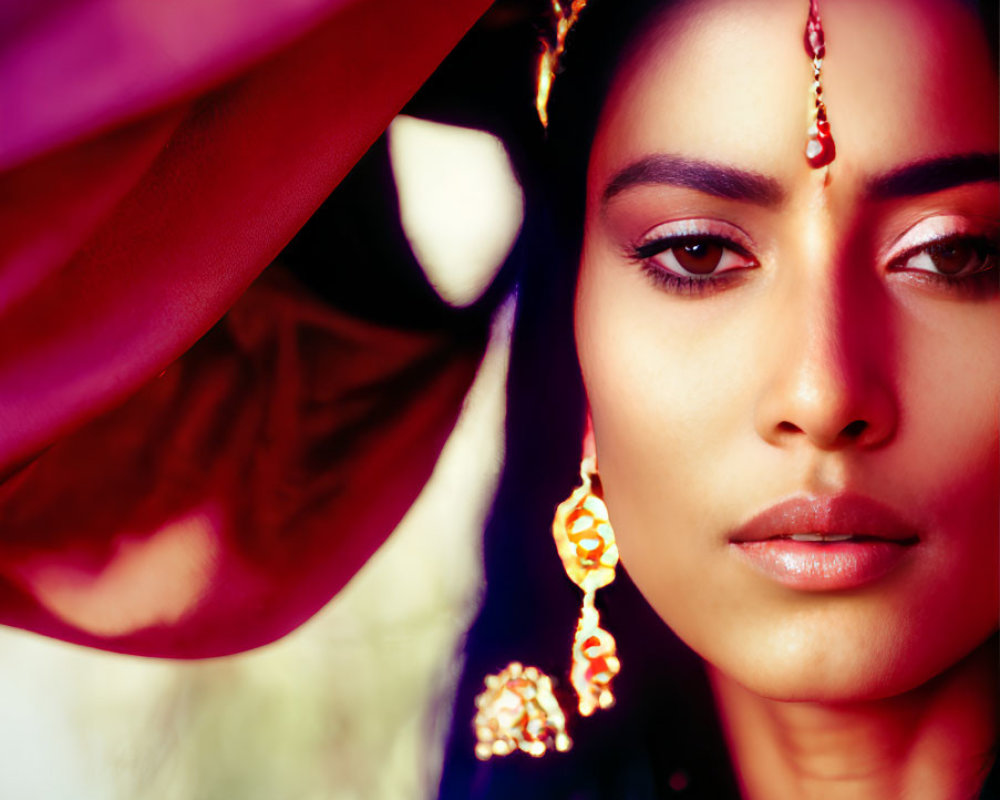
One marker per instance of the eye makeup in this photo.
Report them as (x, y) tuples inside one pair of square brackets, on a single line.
[(693, 257), (956, 254)]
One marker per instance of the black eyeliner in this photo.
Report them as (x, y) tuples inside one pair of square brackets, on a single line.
[(680, 284), (644, 250)]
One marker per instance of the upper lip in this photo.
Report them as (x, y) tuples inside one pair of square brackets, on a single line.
[(832, 515)]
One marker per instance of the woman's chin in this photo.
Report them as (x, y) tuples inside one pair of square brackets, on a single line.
[(848, 690), (833, 671)]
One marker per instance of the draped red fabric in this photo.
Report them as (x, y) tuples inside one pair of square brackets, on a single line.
[(155, 158)]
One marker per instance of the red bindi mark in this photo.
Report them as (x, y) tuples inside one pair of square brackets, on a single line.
[(820, 149)]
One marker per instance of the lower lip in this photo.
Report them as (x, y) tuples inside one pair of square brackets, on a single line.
[(815, 566)]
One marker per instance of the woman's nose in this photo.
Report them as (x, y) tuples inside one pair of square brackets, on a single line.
[(832, 383)]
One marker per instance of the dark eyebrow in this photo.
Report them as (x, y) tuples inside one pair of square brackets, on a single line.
[(722, 181), (935, 175)]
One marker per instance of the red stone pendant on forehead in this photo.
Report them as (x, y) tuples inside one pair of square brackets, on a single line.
[(820, 149)]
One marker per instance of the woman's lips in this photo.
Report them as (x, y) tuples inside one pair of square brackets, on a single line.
[(825, 543)]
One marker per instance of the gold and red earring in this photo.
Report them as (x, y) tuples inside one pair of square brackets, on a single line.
[(518, 710)]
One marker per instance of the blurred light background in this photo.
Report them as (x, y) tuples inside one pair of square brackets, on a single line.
[(356, 703)]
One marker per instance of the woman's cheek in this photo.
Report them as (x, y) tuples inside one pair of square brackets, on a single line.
[(662, 400)]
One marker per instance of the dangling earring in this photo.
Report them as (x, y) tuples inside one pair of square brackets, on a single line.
[(586, 545), (518, 710)]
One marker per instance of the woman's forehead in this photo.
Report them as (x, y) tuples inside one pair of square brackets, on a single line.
[(728, 81)]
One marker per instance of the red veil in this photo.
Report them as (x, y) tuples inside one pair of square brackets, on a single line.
[(154, 159)]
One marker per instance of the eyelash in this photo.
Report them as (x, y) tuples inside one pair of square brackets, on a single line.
[(644, 253)]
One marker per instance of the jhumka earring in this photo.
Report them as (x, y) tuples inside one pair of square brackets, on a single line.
[(820, 149), (517, 710)]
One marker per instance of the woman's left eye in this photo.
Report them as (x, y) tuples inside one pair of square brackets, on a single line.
[(953, 258)]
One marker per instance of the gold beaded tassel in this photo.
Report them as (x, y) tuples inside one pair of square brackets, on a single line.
[(586, 545), (820, 149)]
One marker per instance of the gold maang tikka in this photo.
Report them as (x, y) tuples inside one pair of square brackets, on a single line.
[(518, 710), (820, 149)]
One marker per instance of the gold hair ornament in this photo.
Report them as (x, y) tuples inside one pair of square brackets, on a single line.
[(548, 61)]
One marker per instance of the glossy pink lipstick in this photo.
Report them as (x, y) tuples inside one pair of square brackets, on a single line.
[(825, 543)]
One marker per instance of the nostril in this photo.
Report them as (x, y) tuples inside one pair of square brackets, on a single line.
[(854, 429)]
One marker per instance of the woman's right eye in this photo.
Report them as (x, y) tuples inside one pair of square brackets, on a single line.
[(692, 262)]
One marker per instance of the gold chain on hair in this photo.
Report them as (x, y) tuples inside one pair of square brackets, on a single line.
[(548, 61)]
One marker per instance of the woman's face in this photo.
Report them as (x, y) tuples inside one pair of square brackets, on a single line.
[(770, 352)]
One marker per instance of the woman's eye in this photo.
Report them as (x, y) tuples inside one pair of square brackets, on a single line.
[(694, 257), (950, 258)]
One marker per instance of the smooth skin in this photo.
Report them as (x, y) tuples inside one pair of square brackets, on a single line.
[(821, 353)]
